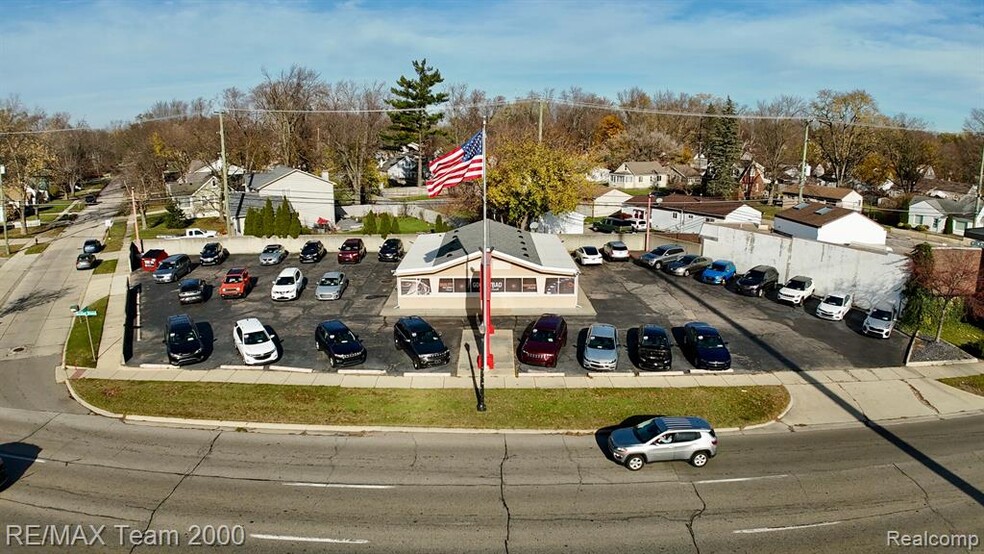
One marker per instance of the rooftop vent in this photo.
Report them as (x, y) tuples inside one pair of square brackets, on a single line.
[(824, 210), (801, 206)]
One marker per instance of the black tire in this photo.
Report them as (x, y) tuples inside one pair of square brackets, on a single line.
[(635, 462), (700, 458), (657, 265), (760, 293), (415, 362)]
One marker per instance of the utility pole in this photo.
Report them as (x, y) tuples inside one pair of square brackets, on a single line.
[(226, 208), (136, 223), (977, 203), (806, 141), (3, 206), (539, 132)]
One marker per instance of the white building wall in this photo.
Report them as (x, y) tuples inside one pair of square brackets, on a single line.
[(870, 276), (794, 229), (310, 196), (922, 213), (745, 214), (853, 229), (565, 223), (852, 201)]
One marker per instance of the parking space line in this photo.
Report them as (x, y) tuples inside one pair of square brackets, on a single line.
[(787, 528), (739, 479), (291, 538)]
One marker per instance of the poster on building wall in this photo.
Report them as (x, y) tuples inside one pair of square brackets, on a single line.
[(415, 287)]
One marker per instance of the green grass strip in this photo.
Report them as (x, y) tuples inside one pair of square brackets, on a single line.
[(973, 384), (78, 351)]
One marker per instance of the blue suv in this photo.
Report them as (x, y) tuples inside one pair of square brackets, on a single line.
[(719, 273)]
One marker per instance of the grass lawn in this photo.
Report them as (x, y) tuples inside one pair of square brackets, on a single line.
[(412, 225), (967, 336), (52, 210), (157, 228), (37, 248), (416, 198), (13, 250), (114, 238), (78, 352), (507, 408), (973, 384), (105, 267)]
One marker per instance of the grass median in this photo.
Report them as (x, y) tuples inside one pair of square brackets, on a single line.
[(106, 267), (507, 408), (973, 384), (78, 352), (37, 248)]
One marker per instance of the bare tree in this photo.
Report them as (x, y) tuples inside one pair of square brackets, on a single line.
[(70, 150), (841, 134), (287, 101), (354, 138), (777, 141), (24, 153), (247, 139), (947, 274), (907, 150)]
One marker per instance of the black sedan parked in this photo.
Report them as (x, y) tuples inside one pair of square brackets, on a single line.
[(341, 345), (391, 251), (312, 251), (212, 253), (652, 348), (758, 279)]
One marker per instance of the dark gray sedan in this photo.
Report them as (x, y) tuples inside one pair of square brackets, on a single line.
[(191, 291), (85, 261), (688, 265)]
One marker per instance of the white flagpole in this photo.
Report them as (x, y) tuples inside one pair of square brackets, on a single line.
[(486, 279)]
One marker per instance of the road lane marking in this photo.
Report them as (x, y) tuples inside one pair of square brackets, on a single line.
[(307, 539), (337, 486), (740, 479), (24, 458), (789, 528)]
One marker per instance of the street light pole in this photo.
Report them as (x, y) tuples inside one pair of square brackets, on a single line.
[(225, 179), (3, 206), (806, 141)]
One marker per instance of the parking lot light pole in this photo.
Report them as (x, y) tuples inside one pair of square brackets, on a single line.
[(3, 207)]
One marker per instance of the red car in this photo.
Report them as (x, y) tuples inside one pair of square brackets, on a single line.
[(542, 341), (236, 283), (352, 251), (151, 259)]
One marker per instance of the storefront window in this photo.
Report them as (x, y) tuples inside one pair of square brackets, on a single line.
[(559, 285), (415, 287)]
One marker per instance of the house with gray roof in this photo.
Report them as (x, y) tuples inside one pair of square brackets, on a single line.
[(530, 271), (639, 175), (199, 191), (312, 197), (934, 213)]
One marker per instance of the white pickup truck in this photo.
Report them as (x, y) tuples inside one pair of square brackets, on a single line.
[(192, 233)]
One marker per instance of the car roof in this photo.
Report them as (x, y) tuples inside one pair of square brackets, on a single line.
[(652, 328), (179, 319), (272, 246), (352, 241), (236, 271), (212, 244), (313, 241), (153, 253), (701, 326), (801, 278), (668, 246), (250, 325), (335, 325), (190, 280), (392, 241), (328, 274), (763, 268), (87, 255), (886, 306), (838, 294), (602, 330), (684, 423), (616, 243), (724, 262), (414, 323), (89, 241), (288, 272), (175, 257), (548, 321)]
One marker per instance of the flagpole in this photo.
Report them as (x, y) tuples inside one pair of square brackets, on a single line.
[(486, 281)]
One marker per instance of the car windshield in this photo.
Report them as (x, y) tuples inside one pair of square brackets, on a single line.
[(166, 265), (796, 284), (390, 245), (652, 338), (341, 338), (330, 282), (232, 279), (834, 301), (543, 335), (619, 246), (429, 335), (181, 336), (883, 315), (256, 337), (311, 247), (271, 250), (286, 280), (709, 341), (590, 250), (754, 275), (189, 286), (346, 247), (646, 430), (658, 252), (720, 266), (210, 248), (689, 259), (601, 343)]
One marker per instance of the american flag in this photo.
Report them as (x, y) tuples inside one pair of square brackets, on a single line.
[(459, 165)]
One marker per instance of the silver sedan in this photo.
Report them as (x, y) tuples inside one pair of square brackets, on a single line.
[(273, 254), (331, 286), (688, 265)]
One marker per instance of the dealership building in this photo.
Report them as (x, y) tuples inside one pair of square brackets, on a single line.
[(531, 272)]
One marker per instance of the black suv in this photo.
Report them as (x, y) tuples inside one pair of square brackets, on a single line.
[(341, 345), (757, 280), (391, 251), (213, 253), (312, 251), (652, 348), (613, 225), (184, 344), (421, 342)]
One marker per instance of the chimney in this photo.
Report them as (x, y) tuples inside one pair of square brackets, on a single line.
[(324, 175)]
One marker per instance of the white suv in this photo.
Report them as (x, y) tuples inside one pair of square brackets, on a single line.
[(253, 342), (287, 285)]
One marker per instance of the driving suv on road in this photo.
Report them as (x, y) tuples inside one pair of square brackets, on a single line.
[(664, 439), (183, 343), (421, 342), (660, 255), (542, 341), (758, 279)]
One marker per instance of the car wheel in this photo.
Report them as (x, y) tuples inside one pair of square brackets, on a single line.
[(686, 273), (699, 459), (415, 362), (760, 292), (657, 265), (635, 462)]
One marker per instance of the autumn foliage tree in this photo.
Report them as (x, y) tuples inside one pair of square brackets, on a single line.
[(939, 277)]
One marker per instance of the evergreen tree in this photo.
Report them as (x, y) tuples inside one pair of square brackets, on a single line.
[(384, 224), (175, 216), (439, 224), (723, 152), (268, 220), (294, 228), (282, 225), (415, 126), (369, 224), (249, 226), (395, 226)]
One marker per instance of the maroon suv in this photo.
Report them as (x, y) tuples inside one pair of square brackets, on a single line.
[(542, 341), (352, 251)]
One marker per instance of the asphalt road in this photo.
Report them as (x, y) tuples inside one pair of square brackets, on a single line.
[(809, 491), (763, 334)]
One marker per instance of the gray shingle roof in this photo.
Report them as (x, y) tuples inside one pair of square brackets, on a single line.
[(256, 181), (645, 168), (511, 241), (241, 202)]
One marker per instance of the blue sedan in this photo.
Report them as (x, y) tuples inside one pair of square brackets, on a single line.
[(719, 272)]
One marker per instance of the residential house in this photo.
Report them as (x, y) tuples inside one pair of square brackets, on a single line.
[(602, 201), (568, 223), (833, 196), (240, 203), (940, 188), (679, 213), (831, 224), (639, 175), (199, 191), (934, 212), (598, 174), (400, 169), (752, 182), (683, 176), (312, 197)]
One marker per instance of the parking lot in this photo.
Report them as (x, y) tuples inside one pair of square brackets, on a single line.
[(762, 334)]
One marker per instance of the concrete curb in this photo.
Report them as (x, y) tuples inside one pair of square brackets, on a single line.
[(942, 363), (90, 407), (776, 421), (290, 369)]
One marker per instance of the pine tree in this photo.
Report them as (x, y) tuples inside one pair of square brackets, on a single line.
[(294, 229), (268, 224), (415, 126), (369, 224), (282, 225), (723, 152), (249, 226), (395, 226), (439, 224), (384, 225)]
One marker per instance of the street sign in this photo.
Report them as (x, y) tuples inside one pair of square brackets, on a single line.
[(108, 223), (85, 313)]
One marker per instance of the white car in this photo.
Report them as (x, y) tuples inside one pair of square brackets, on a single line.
[(797, 290), (287, 285), (835, 306), (253, 342), (588, 255), (615, 250)]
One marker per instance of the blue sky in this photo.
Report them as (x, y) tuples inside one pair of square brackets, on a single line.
[(110, 60)]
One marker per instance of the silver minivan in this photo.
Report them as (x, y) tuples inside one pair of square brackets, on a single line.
[(172, 268), (664, 439)]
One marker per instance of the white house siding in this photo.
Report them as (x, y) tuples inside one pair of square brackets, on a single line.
[(870, 276), (921, 213), (609, 203), (851, 201), (676, 221), (853, 229), (311, 196)]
